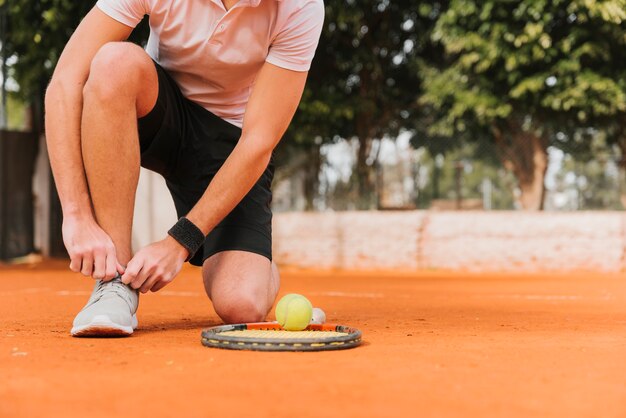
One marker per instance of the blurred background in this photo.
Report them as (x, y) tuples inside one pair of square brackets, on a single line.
[(411, 108)]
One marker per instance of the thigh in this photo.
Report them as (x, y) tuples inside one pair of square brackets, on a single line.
[(162, 129), (235, 275), (123, 70)]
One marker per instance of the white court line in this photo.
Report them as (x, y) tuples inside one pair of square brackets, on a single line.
[(175, 293), (88, 292), (534, 297), (162, 293), (349, 295), (72, 293), (27, 290)]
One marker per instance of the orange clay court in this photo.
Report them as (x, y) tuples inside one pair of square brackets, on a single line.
[(435, 345)]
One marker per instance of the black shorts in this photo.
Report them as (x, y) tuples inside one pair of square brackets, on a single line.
[(187, 145)]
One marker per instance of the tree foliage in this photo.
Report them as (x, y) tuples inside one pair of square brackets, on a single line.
[(37, 33), (520, 70), (555, 59), (515, 73), (363, 82)]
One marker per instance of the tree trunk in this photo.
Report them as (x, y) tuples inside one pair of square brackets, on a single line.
[(533, 190), (622, 173), (365, 176), (311, 177), (524, 153), (621, 143)]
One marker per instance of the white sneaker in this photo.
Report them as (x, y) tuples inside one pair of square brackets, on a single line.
[(110, 311)]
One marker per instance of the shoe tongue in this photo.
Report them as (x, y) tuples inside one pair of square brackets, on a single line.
[(120, 289)]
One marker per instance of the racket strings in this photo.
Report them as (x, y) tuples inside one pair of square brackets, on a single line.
[(288, 335)]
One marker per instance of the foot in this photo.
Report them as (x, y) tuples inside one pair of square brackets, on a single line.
[(110, 311)]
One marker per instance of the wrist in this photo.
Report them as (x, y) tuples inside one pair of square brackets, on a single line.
[(77, 213), (177, 248), (188, 235)]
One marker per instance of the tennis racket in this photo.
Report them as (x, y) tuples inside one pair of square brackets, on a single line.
[(269, 336)]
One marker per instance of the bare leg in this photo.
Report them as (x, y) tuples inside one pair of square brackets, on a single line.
[(241, 285), (122, 86)]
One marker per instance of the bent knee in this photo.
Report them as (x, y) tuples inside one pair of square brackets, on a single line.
[(240, 309), (117, 68)]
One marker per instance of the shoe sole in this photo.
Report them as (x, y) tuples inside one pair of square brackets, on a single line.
[(102, 326)]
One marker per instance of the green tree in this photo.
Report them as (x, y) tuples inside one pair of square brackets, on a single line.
[(519, 71), (364, 82), (37, 33)]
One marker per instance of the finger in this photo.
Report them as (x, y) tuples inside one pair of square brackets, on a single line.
[(132, 270), (141, 278), (110, 269), (159, 285), (87, 265), (75, 263), (120, 268), (148, 284), (99, 265)]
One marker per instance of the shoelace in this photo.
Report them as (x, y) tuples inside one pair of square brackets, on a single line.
[(116, 286)]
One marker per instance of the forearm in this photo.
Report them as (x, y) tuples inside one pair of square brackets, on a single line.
[(63, 118), (241, 170)]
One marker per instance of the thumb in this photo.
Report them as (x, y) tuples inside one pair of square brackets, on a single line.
[(131, 271)]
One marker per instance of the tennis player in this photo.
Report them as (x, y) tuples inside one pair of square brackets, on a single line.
[(204, 105)]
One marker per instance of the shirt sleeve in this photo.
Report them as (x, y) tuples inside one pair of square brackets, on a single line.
[(294, 46), (128, 12)]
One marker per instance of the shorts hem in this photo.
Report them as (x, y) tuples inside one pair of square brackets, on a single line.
[(247, 250), (234, 238)]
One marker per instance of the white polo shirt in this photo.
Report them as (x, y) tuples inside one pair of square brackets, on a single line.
[(215, 55)]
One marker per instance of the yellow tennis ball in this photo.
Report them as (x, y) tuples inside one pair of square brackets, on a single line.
[(294, 312)]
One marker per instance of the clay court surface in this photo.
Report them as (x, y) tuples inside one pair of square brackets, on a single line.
[(436, 345)]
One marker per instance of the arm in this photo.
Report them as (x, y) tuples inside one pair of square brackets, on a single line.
[(82, 236), (277, 89)]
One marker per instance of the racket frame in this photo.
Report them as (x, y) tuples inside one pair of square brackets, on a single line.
[(211, 337)]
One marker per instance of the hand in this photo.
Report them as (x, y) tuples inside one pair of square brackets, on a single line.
[(155, 266), (91, 250)]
